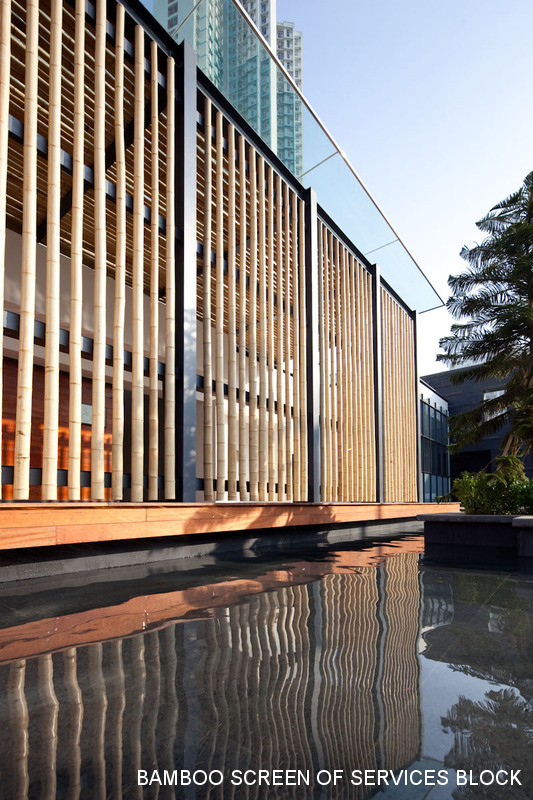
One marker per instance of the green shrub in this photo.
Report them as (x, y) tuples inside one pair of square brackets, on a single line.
[(500, 492)]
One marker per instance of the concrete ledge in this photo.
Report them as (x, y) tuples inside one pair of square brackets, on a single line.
[(472, 539)]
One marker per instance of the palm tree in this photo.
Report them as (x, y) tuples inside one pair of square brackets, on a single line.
[(493, 338)]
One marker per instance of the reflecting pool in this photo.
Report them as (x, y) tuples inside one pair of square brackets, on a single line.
[(299, 677)]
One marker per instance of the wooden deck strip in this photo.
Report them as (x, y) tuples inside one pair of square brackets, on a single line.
[(35, 525)]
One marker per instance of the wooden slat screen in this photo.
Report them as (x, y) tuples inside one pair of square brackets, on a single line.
[(250, 299), (87, 138), (399, 401), (347, 422)]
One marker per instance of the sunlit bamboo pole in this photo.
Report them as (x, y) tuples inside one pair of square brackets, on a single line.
[(356, 376), (303, 356), (51, 348), (252, 359), (117, 453), (280, 348), (263, 378), (48, 728), (370, 448), (345, 350), (270, 347), (297, 479), (327, 367), (208, 365), (340, 380), (137, 358), (5, 61), (18, 719), (153, 403), (76, 258), (219, 319), (170, 292), (100, 260), (21, 485), (287, 298), (74, 721), (333, 372), (322, 356), (360, 393), (243, 438), (233, 420)]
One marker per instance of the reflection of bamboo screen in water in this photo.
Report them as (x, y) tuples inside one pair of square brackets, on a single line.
[(315, 676)]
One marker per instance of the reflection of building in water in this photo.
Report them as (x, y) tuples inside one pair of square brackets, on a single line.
[(311, 676)]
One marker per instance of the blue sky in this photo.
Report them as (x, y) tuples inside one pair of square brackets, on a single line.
[(432, 103)]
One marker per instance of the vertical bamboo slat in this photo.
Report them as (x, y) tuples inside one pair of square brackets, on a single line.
[(270, 345), (170, 293), (208, 368), (153, 408), (340, 382), (243, 439), (263, 421), (76, 258), (233, 426), (345, 350), (297, 483), (328, 492), (5, 57), (219, 319), (253, 448), (322, 357), (117, 454), (280, 348), (303, 355), (137, 359), (100, 262), (333, 371), (356, 376), (287, 298), (51, 354), (21, 485), (371, 447)]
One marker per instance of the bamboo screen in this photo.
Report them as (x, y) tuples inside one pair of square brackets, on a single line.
[(86, 168), (399, 402), (251, 317), (347, 427)]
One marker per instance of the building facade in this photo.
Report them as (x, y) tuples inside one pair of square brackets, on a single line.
[(183, 320), (434, 456)]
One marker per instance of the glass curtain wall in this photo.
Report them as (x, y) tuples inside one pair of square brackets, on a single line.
[(234, 56), (435, 457)]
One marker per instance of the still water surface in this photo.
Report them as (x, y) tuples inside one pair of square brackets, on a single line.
[(352, 659)]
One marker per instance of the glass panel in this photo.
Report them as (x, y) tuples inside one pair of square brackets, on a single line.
[(233, 56)]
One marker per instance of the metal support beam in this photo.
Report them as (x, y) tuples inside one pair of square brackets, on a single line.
[(186, 276), (312, 350), (378, 382)]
